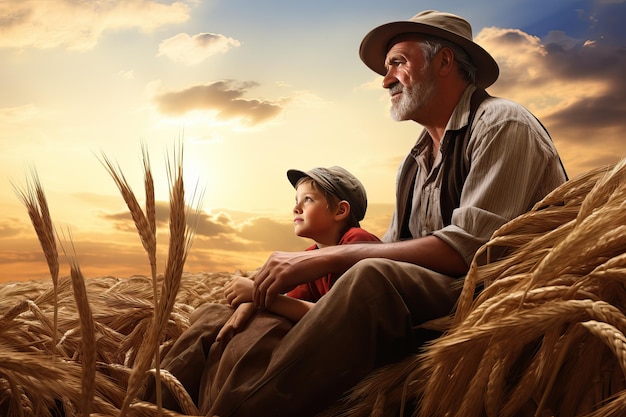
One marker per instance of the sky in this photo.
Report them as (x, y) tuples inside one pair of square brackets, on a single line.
[(250, 89)]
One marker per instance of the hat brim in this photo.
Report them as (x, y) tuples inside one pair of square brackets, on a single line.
[(375, 45), (294, 175)]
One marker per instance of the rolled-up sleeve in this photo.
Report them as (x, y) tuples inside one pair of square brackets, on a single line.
[(513, 165)]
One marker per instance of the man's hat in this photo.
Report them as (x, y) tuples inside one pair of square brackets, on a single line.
[(337, 181), (447, 26)]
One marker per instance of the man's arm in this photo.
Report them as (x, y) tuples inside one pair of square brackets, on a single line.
[(284, 270)]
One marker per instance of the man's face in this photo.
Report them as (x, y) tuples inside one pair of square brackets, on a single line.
[(410, 80)]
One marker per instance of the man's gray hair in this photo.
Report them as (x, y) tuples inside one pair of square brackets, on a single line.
[(431, 45)]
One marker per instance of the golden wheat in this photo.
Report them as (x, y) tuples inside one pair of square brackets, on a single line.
[(24, 354)]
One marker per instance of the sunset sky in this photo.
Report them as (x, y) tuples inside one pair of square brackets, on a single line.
[(251, 89)]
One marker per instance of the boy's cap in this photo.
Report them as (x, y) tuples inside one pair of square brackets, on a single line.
[(447, 26), (338, 181)]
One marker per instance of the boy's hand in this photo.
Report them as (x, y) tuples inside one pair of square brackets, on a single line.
[(236, 322), (238, 291)]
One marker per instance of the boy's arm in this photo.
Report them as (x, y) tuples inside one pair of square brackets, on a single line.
[(236, 322), (291, 308), (239, 291)]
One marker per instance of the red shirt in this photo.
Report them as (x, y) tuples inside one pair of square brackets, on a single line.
[(313, 291)]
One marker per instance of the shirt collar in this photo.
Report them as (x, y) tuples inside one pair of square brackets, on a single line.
[(458, 120), (460, 115)]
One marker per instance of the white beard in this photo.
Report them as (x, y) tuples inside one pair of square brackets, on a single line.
[(414, 97)]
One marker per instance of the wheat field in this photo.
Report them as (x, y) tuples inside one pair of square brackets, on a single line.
[(36, 375), (545, 337)]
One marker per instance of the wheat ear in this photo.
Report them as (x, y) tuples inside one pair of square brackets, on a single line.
[(178, 390), (148, 238), (36, 204)]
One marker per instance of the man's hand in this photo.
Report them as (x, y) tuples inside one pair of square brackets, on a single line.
[(283, 271), (238, 291), (236, 322)]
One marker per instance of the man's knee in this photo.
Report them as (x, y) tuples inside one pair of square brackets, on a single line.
[(374, 272), (368, 279), (370, 269)]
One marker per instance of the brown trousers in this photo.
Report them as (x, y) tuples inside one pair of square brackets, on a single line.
[(367, 320)]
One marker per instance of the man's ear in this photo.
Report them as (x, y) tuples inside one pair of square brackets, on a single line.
[(343, 210), (445, 60)]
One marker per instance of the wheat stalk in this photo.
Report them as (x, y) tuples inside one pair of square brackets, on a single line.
[(180, 241), (87, 331), (151, 217), (145, 224)]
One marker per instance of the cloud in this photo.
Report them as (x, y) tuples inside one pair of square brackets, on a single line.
[(24, 122), (222, 98), (77, 25), (272, 235), (10, 228), (218, 230), (575, 86), (206, 224), (212, 225), (192, 50), (21, 114), (126, 74)]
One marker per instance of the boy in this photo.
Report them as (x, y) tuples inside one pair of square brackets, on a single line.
[(330, 203)]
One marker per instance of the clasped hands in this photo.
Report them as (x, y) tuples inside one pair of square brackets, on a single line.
[(282, 272)]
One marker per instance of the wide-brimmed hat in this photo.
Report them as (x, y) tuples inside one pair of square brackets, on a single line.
[(447, 26), (337, 181)]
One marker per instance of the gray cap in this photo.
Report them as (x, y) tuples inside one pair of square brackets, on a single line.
[(338, 181)]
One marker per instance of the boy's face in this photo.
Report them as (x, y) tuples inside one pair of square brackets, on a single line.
[(312, 217)]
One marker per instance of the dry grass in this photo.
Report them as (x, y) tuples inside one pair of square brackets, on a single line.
[(544, 337)]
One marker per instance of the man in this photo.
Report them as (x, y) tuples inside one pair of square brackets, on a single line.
[(461, 181)]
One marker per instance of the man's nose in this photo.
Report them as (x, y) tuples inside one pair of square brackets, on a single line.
[(389, 80)]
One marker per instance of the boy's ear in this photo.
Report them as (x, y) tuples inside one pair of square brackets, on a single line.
[(343, 210)]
